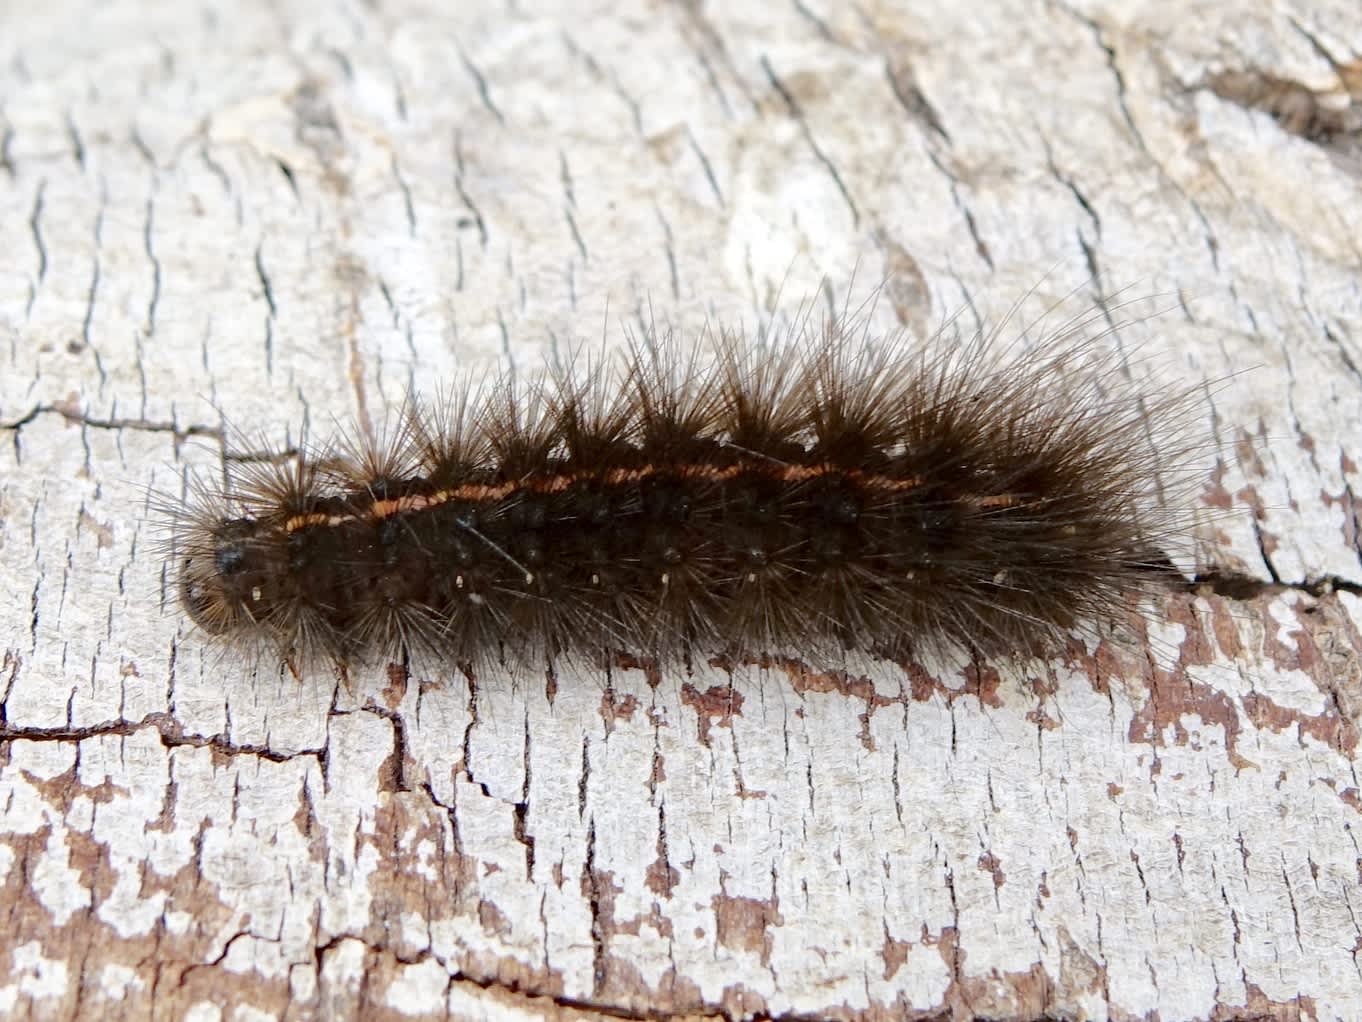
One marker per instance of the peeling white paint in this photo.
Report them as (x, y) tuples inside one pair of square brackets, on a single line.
[(419, 989), (116, 980), (302, 982), (177, 923), (343, 966), (38, 976), (59, 887)]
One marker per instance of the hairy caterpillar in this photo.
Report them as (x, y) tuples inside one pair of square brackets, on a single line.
[(835, 491)]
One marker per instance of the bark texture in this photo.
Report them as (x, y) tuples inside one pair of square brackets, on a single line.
[(278, 214)]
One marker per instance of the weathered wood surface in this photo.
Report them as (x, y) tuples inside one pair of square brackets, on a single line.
[(294, 211)]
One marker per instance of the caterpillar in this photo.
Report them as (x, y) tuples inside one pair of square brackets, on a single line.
[(829, 491)]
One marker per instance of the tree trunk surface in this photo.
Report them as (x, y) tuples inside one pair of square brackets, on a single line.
[(268, 215)]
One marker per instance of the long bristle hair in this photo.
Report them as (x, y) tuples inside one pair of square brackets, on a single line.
[(833, 491)]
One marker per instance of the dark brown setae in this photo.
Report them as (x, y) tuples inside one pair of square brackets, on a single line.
[(826, 494)]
